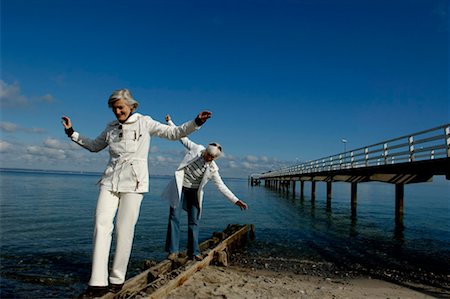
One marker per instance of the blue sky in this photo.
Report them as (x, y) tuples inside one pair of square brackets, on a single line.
[(285, 80)]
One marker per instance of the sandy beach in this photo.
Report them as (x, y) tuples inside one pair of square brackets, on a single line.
[(262, 275), (240, 282)]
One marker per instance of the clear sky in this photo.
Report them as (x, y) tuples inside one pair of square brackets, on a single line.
[(285, 80)]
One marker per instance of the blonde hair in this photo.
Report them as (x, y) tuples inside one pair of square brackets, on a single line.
[(122, 94)]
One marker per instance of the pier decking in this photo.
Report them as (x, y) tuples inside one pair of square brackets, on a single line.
[(413, 158)]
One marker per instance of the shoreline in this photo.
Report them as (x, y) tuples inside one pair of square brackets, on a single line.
[(250, 276), (235, 282)]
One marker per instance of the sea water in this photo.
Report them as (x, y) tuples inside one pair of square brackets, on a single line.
[(47, 220)]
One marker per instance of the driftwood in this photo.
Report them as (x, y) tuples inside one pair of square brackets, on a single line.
[(160, 279)]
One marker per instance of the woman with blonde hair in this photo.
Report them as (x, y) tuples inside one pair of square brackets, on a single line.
[(123, 184)]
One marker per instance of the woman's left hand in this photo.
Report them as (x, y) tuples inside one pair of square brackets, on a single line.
[(203, 116), (66, 122)]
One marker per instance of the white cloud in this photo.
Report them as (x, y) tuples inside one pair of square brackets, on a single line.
[(233, 164), (154, 149), (48, 98), (5, 146), (250, 158), (54, 153), (164, 158), (160, 158), (247, 165), (54, 143), (35, 150), (8, 127), (10, 95), (34, 130), (50, 153)]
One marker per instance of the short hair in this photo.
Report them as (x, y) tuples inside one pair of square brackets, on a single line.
[(214, 149), (122, 94)]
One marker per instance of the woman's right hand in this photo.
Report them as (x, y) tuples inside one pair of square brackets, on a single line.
[(66, 122)]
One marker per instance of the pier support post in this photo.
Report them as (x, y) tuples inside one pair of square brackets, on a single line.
[(399, 197), (313, 190), (293, 189), (302, 188), (354, 193), (329, 185), (328, 191)]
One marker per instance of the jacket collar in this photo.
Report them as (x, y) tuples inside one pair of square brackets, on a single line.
[(131, 119)]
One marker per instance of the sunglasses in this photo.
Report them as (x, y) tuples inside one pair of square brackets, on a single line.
[(216, 145)]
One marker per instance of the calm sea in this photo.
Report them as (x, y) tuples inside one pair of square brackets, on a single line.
[(47, 218)]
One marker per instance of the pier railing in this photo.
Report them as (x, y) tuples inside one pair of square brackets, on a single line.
[(413, 158), (424, 145)]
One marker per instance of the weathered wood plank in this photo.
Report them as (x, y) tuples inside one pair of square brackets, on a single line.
[(191, 268), (160, 279)]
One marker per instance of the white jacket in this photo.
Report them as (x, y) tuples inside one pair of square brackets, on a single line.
[(127, 169), (173, 190)]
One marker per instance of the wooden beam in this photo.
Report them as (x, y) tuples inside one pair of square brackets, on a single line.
[(162, 292), (159, 276), (354, 197), (293, 189), (302, 188), (399, 198), (329, 186)]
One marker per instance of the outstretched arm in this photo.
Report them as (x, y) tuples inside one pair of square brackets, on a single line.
[(227, 192), (184, 141), (94, 145), (178, 132)]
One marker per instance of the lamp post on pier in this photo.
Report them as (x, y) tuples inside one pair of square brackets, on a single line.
[(344, 141)]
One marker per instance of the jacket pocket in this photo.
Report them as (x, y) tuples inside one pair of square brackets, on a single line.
[(139, 173), (130, 146)]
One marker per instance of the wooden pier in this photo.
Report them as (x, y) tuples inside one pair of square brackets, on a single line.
[(408, 159)]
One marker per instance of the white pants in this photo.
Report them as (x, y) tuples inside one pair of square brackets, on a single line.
[(127, 206)]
